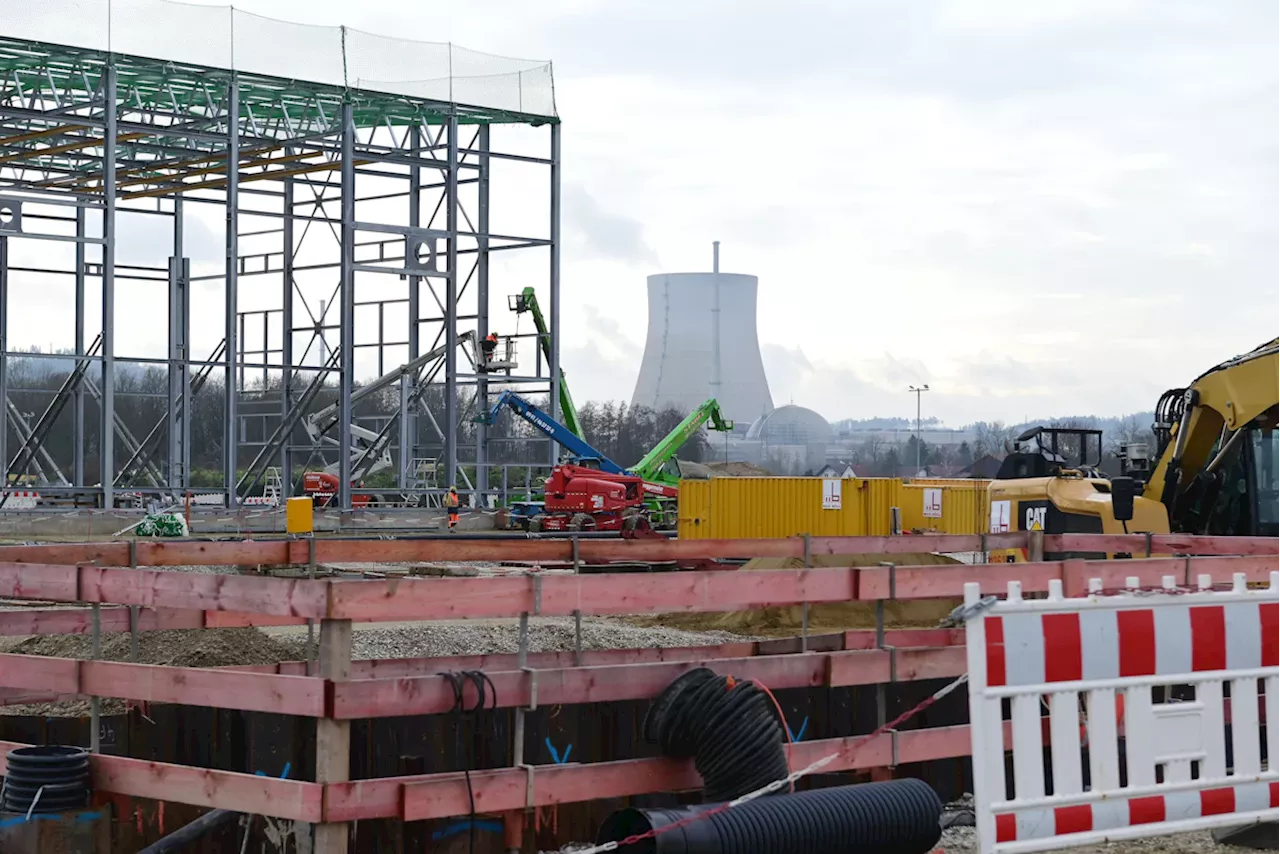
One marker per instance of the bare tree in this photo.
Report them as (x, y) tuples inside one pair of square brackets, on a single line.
[(990, 438)]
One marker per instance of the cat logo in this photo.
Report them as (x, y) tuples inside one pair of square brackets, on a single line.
[(1035, 518)]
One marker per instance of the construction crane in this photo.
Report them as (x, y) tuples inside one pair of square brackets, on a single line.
[(527, 300), (653, 466)]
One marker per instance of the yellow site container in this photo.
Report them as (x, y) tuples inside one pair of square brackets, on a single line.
[(298, 515), (946, 506), (767, 507)]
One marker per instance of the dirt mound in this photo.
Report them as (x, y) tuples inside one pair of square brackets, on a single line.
[(173, 647), (737, 470), (786, 620)]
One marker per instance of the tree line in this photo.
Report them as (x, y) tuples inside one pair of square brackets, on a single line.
[(620, 432)]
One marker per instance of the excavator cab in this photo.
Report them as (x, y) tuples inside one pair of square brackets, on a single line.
[(1237, 494), (1049, 451)]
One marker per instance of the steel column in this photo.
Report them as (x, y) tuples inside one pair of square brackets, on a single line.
[(188, 405), (482, 311), (4, 362), (451, 311), (554, 321), (231, 435), (178, 353), (77, 418), (286, 328), (347, 305), (106, 428), (409, 418)]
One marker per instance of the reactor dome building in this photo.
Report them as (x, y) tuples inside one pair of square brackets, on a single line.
[(702, 343)]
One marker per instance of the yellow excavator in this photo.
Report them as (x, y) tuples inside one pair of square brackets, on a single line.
[(1214, 471)]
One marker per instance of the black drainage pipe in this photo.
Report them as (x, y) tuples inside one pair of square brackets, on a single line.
[(46, 779), (894, 817), (730, 729), (189, 833)]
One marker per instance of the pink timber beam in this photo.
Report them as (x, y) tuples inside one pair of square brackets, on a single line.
[(277, 552), (202, 787), (424, 695), (442, 795), (192, 686), (1162, 544), (151, 588)]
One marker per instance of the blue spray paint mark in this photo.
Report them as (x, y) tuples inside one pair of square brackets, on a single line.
[(283, 774), (796, 736), (555, 755), (465, 825)]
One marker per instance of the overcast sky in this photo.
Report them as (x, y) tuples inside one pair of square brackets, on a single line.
[(1037, 208)]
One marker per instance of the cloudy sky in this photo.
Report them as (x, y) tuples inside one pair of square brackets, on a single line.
[(1037, 208)]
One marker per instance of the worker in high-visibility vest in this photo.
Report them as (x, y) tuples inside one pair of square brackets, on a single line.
[(451, 506), (488, 346)]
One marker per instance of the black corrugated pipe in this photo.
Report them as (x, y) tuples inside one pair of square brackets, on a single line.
[(189, 833), (46, 779), (731, 729), (894, 817)]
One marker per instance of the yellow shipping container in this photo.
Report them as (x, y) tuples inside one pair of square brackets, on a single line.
[(767, 507), (946, 506)]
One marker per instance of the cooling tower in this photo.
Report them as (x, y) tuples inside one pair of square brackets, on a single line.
[(702, 343)]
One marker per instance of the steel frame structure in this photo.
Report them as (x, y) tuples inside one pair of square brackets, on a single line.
[(357, 189)]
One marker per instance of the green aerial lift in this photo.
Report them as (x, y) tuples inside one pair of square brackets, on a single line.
[(524, 301), (653, 466)]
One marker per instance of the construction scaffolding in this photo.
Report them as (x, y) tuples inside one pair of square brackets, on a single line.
[(355, 215)]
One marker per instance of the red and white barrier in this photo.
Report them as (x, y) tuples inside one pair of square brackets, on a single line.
[(1098, 665), (21, 499)]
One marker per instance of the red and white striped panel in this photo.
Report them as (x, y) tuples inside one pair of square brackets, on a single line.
[(21, 499), (1034, 648), (1114, 813)]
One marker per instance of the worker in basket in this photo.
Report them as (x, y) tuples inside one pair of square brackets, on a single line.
[(451, 505), (488, 346)]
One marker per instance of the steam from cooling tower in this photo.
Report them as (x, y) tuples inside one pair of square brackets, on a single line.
[(702, 343)]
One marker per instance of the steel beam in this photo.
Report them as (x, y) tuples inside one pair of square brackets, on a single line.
[(179, 353), (408, 417), (106, 427), (4, 362), (286, 328), (482, 312), (230, 426), (347, 289), (77, 422), (451, 310), (554, 322)]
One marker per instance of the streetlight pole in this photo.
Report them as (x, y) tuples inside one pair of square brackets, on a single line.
[(918, 390)]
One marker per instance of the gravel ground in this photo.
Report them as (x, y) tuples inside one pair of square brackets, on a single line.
[(964, 840), (547, 634)]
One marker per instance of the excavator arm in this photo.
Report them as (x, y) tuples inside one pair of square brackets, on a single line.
[(650, 466)]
